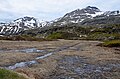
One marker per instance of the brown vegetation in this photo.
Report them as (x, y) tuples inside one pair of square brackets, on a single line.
[(49, 68)]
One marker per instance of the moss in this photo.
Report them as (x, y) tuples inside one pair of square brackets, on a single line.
[(6, 74), (112, 43)]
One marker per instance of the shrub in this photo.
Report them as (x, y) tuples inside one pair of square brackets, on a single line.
[(61, 35), (103, 36), (55, 36)]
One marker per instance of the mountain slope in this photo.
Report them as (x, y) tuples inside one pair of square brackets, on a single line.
[(88, 15)]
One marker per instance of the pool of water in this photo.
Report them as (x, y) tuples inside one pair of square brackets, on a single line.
[(30, 50), (22, 64), (26, 50)]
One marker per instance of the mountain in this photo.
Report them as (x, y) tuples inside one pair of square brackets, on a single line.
[(79, 15), (18, 26), (87, 15)]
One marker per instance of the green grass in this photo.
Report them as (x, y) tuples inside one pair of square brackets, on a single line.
[(61, 35), (112, 43), (6, 74)]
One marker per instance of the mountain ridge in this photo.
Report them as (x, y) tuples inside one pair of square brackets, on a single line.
[(79, 15), (86, 16)]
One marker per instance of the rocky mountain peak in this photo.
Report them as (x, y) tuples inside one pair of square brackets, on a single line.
[(91, 8), (79, 15)]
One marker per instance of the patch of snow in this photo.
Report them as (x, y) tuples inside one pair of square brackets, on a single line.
[(73, 21), (77, 21), (2, 29), (78, 17), (43, 23), (63, 23), (32, 21), (82, 20), (96, 14), (17, 29)]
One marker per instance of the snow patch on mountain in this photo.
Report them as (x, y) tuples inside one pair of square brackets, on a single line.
[(96, 14)]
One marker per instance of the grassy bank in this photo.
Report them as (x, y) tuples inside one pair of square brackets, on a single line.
[(112, 43), (6, 74)]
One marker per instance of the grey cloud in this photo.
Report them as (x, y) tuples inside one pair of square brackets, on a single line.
[(48, 9)]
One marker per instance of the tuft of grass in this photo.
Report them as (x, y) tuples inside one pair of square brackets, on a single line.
[(112, 43), (7, 74)]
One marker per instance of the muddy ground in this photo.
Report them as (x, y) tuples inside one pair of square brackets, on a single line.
[(71, 59)]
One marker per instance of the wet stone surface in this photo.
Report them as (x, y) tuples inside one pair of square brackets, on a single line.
[(75, 67)]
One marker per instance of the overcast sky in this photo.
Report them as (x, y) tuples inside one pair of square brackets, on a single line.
[(49, 9)]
